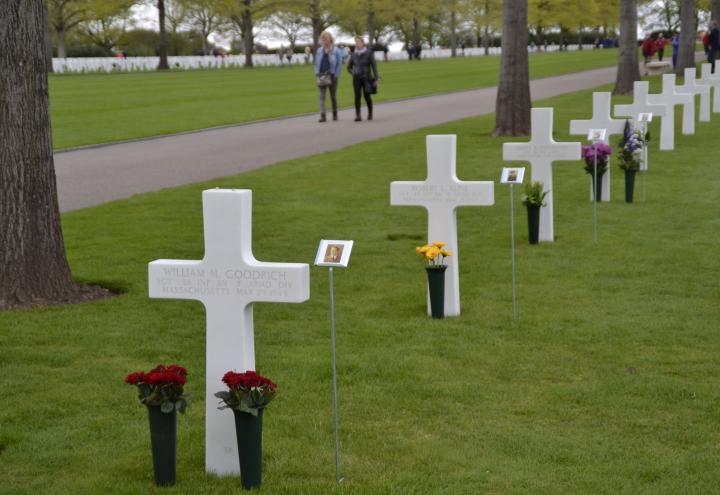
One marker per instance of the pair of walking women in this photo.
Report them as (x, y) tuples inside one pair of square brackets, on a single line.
[(362, 66)]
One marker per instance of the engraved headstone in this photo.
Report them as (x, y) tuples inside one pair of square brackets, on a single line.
[(640, 105), (442, 193), (694, 86), (601, 119), (228, 280), (541, 152), (712, 80), (670, 98)]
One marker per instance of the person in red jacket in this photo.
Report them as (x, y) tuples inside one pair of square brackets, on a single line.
[(648, 48), (706, 41), (660, 43)]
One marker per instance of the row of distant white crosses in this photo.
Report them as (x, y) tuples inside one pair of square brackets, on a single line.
[(442, 192), (229, 280)]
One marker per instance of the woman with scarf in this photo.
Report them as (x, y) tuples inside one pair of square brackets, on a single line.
[(363, 68)]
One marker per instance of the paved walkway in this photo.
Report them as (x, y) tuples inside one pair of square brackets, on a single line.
[(95, 175)]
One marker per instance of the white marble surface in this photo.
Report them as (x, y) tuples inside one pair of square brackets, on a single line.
[(228, 280), (441, 194), (601, 119), (693, 85), (541, 152)]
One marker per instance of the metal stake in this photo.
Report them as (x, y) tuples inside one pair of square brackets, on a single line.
[(512, 250), (595, 194), (338, 477), (645, 155)]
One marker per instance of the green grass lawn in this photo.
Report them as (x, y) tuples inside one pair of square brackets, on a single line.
[(91, 109), (608, 383)]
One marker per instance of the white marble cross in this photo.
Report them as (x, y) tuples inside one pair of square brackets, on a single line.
[(541, 152), (227, 281), (601, 119), (670, 97), (713, 80), (694, 86), (640, 105), (442, 193)]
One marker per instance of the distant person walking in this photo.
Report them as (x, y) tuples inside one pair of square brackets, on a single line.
[(281, 55), (343, 52), (328, 64), (363, 68), (675, 48), (713, 44), (308, 54), (660, 43), (648, 48), (289, 55)]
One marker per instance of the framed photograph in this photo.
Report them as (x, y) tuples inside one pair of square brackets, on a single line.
[(333, 253), (645, 117), (596, 135), (512, 175)]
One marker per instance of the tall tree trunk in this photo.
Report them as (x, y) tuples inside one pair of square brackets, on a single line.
[(48, 43), (33, 267), (512, 107), (163, 46), (317, 30), (715, 10), (371, 28), (686, 53), (416, 32), (247, 34), (486, 40), (317, 25), (628, 70), (61, 45), (453, 34)]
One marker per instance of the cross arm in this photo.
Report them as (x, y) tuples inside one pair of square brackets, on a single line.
[(174, 279), (272, 282), (410, 193), (516, 151)]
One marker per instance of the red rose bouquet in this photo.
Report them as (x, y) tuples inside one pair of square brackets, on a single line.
[(161, 386), (247, 392)]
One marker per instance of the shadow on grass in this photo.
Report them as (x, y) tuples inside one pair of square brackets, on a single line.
[(397, 237), (115, 287)]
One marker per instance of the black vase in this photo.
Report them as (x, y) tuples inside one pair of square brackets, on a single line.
[(248, 429), (436, 283), (630, 184), (163, 438), (533, 223), (597, 186)]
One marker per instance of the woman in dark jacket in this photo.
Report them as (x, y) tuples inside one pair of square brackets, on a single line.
[(363, 68)]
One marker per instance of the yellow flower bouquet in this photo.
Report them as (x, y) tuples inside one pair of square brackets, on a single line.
[(433, 254)]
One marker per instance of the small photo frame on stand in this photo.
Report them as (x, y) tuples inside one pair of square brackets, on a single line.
[(512, 175), (333, 253), (645, 117), (595, 135)]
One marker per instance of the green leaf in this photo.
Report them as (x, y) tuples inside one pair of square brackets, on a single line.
[(250, 410)]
